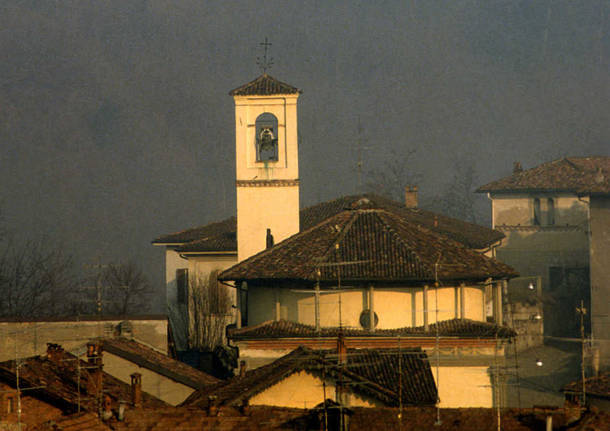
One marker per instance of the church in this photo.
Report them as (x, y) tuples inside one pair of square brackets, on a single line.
[(366, 270)]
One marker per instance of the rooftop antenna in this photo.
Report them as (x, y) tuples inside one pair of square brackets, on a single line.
[(263, 62)]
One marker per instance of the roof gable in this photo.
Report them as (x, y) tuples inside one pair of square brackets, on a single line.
[(264, 85), (372, 373), (580, 175)]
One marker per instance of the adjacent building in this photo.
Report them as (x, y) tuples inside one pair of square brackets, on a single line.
[(556, 218)]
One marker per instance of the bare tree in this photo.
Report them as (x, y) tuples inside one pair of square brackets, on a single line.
[(397, 172), (458, 199), (35, 280), (126, 289), (201, 325)]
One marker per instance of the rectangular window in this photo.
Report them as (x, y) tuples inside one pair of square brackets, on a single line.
[(537, 215), (182, 284), (550, 211)]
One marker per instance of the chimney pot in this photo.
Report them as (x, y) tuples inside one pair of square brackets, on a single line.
[(55, 352), (136, 389), (411, 196), (243, 367), (269, 239)]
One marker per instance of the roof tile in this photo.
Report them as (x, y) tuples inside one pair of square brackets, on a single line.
[(580, 175), (382, 245), (264, 85), (464, 328), (374, 373)]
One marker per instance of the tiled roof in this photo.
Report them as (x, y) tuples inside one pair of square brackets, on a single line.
[(596, 386), (384, 245), (58, 381), (153, 360), (469, 234), (367, 372), (266, 418), (264, 85), (77, 422), (581, 175), (464, 328), (221, 236)]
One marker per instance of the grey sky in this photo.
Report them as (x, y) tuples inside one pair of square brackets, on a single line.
[(116, 125)]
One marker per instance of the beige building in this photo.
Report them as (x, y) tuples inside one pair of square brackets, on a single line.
[(375, 276), (556, 218)]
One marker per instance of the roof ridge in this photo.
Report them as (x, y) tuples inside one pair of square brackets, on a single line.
[(342, 234), (400, 240)]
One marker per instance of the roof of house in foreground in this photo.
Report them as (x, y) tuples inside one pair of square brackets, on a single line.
[(463, 328), (596, 386), (57, 381), (153, 360), (372, 373), (368, 243), (580, 175), (221, 236)]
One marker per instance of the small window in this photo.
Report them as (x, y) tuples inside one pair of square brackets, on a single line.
[(266, 138), (537, 215), (550, 211), (182, 283)]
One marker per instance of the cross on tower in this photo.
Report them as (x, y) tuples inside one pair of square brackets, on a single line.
[(265, 63)]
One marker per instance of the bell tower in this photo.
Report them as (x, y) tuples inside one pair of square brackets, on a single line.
[(266, 159)]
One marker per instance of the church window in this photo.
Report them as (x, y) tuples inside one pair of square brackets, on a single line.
[(365, 319), (266, 138), (182, 283)]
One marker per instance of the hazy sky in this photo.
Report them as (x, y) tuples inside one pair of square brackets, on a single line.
[(117, 127)]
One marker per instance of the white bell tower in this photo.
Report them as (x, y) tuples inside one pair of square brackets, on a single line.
[(267, 163)]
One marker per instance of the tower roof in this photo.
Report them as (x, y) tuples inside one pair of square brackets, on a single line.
[(264, 85)]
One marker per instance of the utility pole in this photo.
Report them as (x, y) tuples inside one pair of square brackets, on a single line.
[(582, 311)]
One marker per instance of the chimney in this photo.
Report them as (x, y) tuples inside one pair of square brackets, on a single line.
[(269, 238), (107, 408), (212, 409), (94, 353), (517, 167), (435, 221), (411, 196), (136, 389), (55, 353), (242, 368)]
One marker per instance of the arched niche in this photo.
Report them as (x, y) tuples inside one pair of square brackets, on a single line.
[(266, 138)]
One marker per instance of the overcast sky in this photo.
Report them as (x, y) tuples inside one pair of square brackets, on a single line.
[(117, 127)]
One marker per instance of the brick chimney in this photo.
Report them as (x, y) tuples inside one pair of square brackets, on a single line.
[(55, 353), (411, 196), (136, 389), (517, 167)]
